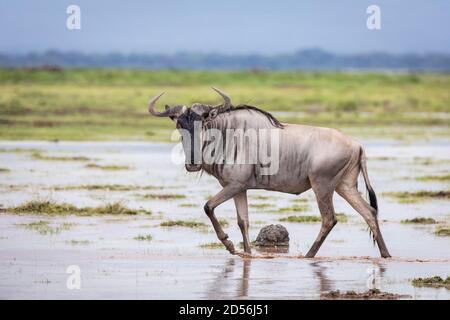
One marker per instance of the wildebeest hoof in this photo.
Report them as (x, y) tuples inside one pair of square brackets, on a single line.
[(230, 246), (244, 254)]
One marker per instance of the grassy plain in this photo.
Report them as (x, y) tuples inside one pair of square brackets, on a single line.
[(109, 104)]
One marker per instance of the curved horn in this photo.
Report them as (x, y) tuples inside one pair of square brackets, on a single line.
[(152, 110), (226, 99)]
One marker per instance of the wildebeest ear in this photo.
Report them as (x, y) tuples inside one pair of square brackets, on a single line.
[(211, 114)]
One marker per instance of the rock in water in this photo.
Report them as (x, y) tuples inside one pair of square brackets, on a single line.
[(273, 235)]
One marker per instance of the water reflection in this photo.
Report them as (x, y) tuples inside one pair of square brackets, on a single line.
[(271, 249), (373, 276), (243, 288), (301, 279), (319, 270), (225, 280)]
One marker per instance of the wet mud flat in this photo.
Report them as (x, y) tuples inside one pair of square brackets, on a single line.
[(168, 249)]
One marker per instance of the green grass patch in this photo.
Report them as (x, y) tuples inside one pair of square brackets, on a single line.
[(144, 237), (259, 197), (429, 160), (188, 205), (45, 228), (44, 207), (168, 196), (419, 220), (258, 222), (416, 196), (183, 223), (434, 178), (107, 187), (301, 219), (261, 206), (432, 282), (116, 208), (41, 226), (110, 167), (371, 294), (341, 217), (383, 158), (443, 231), (299, 200), (224, 222), (294, 208), (212, 245), (39, 156), (78, 242), (4, 170), (55, 209), (17, 150)]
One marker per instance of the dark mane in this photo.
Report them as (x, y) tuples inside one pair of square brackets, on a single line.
[(274, 121)]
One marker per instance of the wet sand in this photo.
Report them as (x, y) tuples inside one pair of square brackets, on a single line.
[(173, 264)]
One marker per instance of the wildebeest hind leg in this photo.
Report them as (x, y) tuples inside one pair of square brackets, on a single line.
[(355, 199), (325, 202), (225, 194)]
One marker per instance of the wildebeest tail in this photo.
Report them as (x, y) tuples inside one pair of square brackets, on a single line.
[(372, 195)]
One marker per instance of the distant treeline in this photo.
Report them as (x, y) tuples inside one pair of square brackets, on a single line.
[(311, 59)]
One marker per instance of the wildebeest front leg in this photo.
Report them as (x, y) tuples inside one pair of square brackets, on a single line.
[(240, 201), (225, 194), (325, 202)]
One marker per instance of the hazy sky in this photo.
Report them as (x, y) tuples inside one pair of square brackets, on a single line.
[(230, 26)]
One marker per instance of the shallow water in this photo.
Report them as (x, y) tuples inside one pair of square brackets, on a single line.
[(173, 265)]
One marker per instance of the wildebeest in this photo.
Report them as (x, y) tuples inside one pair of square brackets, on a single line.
[(308, 157)]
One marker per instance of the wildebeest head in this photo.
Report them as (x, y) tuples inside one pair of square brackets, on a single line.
[(189, 122)]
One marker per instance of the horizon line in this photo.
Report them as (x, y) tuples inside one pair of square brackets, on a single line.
[(203, 53)]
